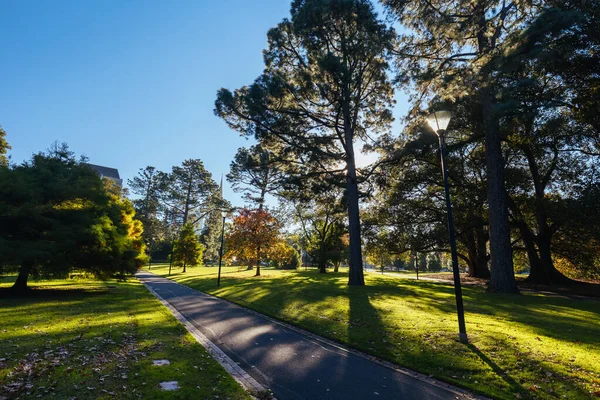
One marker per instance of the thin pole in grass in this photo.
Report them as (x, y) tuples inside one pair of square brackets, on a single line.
[(224, 215), (172, 252), (439, 121)]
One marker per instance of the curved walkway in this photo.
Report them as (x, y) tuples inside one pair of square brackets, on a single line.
[(290, 362)]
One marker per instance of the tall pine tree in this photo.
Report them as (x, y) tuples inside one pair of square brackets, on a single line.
[(325, 86)]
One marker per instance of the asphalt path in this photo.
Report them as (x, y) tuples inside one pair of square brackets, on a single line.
[(290, 363)]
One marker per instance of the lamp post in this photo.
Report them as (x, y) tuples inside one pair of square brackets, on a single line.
[(149, 247), (224, 215), (439, 121), (172, 254)]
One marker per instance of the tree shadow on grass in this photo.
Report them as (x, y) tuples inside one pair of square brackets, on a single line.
[(366, 330)]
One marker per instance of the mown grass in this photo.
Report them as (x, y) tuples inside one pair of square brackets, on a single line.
[(527, 346), (85, 339)]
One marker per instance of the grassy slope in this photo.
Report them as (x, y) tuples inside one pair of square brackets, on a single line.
[(521, 346), (84, 339)]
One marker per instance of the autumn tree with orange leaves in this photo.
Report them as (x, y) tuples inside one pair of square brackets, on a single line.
[(252, 234)]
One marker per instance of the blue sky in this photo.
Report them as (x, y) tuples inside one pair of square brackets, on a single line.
[(129, 83)]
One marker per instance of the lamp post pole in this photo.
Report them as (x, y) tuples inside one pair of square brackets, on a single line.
[(462, 335), (221, 251), (172, 254), (439, 122)]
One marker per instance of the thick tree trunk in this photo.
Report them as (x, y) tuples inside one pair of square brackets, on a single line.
[(322, 260), (539, 252), (541, 264), (502, 271), (336, 267), (477, 255), (355, 275), (322, 268), (20, 284), (482, 257)]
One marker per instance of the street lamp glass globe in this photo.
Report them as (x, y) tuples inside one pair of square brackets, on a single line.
[(223, 214), (439, 120)]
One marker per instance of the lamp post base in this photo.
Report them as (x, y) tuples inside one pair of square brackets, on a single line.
[(462, 337)]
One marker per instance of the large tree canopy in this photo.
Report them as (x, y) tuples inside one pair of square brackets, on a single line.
[(449, 51), (324, 87), (57, 215)]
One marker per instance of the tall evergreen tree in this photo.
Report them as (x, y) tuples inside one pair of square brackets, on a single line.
[(147, 185), (57, 215), (450, 51), (324, 87), (254, 172), (189, 191), (546, 79), (188, 249)]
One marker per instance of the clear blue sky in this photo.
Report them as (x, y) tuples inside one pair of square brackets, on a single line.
[(129, 83)]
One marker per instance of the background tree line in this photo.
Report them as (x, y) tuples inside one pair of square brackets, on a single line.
[(182, 207)]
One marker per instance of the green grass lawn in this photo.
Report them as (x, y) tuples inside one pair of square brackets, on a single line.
[(85, 339), (527, 346)]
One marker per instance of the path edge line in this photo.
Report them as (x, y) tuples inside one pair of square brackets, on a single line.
[(251, 385)]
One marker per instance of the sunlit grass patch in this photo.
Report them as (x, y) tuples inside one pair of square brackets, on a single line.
[(528, 346), (91, 340)]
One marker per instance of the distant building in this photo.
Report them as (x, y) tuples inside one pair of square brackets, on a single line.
[(106, 172)]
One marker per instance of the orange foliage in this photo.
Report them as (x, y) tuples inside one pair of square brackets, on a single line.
[(252, 234)]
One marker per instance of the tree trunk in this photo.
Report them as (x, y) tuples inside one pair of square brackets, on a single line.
[(322, 259), (355, 275), (482, 256), (541, 264), (184, 265), (257, 268), (502, 270), (20, 285), (477, 254), (336, 267), (542, 270), (188, 195)]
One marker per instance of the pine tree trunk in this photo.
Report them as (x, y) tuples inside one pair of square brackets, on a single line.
[(356, 276), (502, 271), (20, 285)]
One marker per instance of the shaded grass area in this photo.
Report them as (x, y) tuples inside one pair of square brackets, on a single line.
[(85, 339), (528, 346)]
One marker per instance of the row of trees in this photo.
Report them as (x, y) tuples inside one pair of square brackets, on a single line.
[(521, 79), (173, 204)]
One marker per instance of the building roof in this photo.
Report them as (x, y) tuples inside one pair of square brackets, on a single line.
[(107, 172)]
